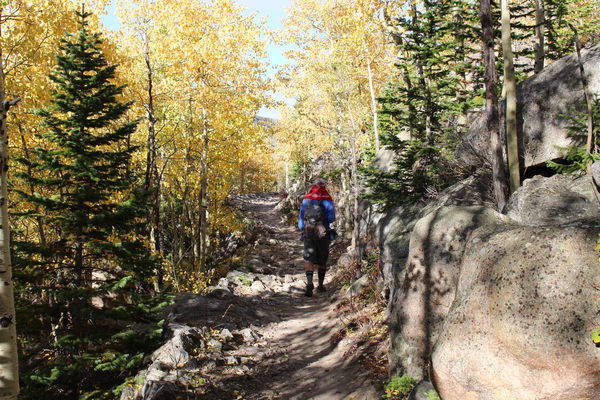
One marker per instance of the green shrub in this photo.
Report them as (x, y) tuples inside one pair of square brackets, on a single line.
[(431, 395), (398, 387)]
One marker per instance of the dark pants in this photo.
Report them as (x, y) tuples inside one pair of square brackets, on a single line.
[(316, 251)]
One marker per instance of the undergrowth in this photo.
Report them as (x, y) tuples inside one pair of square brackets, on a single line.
[(363, 318)]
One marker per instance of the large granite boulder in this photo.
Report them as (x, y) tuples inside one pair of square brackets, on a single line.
[(596, 174), (418, 308), (544, 103), (555, 200), (392, 229), (519, 327)]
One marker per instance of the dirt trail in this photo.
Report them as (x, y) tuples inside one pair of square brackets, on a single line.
[(303, 362)]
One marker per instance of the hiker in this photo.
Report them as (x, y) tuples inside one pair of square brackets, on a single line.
[(316, 214)]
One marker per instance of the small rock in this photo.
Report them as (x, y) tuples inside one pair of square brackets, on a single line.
[(258, 286), (248, 335), (158, 390), (155, 375), (208, 367), (215, 345), (231, 360), (226, 334), (218, 292), (345, 260), (223, 283), (357, 286)]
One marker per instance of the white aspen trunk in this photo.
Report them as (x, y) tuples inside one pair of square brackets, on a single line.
[(9, 366), (510, 84), (204, 239), (373, 105)]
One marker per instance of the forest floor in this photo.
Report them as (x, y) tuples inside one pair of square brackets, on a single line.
[(299, 347)]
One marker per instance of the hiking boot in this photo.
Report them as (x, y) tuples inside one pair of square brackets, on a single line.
[(321, 289), (309, 290)]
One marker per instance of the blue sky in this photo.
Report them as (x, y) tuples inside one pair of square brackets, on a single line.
[(274, 10)]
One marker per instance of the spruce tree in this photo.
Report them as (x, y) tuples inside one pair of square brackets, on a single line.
[(424, 107), (560, 40), (82, 285)]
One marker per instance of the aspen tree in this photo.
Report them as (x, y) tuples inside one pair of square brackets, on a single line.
[(9, 367)]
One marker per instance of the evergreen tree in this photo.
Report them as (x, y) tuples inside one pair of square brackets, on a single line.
[(576, 157), (425, 106), (82, 285), (583, 15)]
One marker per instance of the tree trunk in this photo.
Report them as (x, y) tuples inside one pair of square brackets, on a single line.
[(500, 178), (373, 105), (152, 181), (9, 366), (203, 221), (346, 222), (356, 217), (540, 51), (9, 370), (356, 242), (287, 174), (152, 178), (510, 84), (589, 147)]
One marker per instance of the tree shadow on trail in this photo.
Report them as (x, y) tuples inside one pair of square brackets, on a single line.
[(305, 363)]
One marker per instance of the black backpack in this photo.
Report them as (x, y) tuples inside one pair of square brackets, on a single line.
[(314, 228)]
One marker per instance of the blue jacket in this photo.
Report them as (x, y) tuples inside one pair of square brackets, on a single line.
[(327, 208)]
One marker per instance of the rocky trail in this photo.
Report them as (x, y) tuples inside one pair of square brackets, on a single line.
[(255, 335)]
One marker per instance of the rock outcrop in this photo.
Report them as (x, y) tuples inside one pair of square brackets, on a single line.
[(419, 307), (391, 230), (550, 201), (544, 103), (519, 328), (492, 303), (193, 352)]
